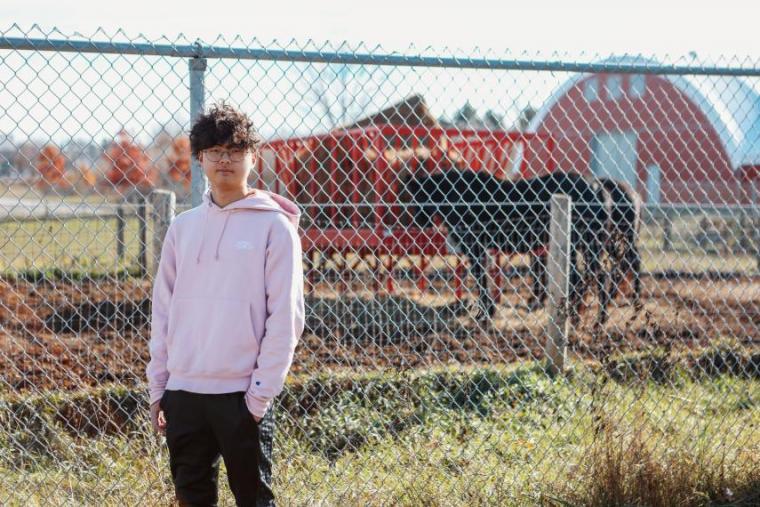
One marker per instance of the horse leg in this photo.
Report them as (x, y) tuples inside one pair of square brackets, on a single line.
[(538, 271), (616, 278), (485, 283), (635, 266), (617, 268), (597, 269), (486, 298), (576, 291), (480, 273)]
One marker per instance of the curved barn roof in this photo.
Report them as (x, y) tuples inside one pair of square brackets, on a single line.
[(731, 105)]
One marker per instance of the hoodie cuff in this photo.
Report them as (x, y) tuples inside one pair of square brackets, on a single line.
[(257, 405), (156, 393)]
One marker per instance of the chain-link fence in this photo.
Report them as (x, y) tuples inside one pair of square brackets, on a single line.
[(474, 224)]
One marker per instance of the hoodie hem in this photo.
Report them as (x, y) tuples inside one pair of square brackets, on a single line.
[(208, 385), (155, 394)]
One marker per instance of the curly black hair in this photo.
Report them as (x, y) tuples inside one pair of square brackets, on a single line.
[(223, 125)]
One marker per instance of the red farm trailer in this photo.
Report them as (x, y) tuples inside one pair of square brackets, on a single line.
[(347, 183)]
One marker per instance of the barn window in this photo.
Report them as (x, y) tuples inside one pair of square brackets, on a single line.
[(637, 86), (591, 89), (614, 87), (654, 181)]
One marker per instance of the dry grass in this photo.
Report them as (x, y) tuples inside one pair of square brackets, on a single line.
[(635, 465)]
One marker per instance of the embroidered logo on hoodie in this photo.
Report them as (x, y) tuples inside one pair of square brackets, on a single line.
[(244, 245)]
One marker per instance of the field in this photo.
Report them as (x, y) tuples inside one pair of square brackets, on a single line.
[(67, 335)]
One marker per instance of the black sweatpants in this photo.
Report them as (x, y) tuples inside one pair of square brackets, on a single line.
[(200, 428)]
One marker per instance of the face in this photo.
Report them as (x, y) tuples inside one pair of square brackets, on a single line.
[(226, 167)]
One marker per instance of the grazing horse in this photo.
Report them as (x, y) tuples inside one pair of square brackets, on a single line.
[(481, 211), (621, 244), (623, 235)]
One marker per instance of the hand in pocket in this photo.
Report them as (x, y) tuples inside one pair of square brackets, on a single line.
[(157, 418)]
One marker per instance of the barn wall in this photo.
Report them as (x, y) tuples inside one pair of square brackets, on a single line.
[(673, 133)]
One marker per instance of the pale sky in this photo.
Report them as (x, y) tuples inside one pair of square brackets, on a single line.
[(140, 94), (661, 26)]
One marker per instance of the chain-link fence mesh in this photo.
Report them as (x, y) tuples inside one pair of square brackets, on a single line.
[(443, 283)]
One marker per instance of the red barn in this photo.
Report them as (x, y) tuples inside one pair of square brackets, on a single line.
[(677, 139)]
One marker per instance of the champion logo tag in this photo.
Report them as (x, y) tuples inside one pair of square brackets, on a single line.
[(244, 245)]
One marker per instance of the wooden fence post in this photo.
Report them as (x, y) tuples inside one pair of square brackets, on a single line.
[(164, 203), (558, 271), (142, 223), (120, 226)]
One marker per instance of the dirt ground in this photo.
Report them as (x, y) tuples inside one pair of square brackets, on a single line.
[(69, 335)]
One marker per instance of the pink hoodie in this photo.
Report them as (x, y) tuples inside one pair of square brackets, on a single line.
[(228, 305)]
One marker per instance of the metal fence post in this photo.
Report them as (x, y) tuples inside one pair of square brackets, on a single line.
[(197, 67), (558, 282), (164, 203)]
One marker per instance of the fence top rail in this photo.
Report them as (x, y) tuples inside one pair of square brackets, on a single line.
[(200, 50)]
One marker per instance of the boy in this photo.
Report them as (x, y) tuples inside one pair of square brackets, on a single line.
[(227, 313)]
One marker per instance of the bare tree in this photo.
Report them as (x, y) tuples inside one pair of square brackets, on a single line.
[(526, 115), (337, 94), (493, 120), (466, 117)]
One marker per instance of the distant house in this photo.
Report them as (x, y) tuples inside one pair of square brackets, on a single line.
[(677, 139)]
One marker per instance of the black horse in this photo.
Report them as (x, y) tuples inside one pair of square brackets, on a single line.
[(482, 212)]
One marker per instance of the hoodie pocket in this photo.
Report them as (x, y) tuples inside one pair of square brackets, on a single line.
[(211, 337)]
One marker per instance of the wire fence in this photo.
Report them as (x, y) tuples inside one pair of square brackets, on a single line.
[(529, 281)]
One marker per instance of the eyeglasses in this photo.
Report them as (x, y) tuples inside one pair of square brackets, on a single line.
[(215, 155)]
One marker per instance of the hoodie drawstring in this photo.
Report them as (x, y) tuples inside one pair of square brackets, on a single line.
[(218, 241)]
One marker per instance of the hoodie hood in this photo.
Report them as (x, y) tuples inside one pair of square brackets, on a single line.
[(254, 200)]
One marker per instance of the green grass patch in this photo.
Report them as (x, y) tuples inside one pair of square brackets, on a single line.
[(73, 245), (74, 275)]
